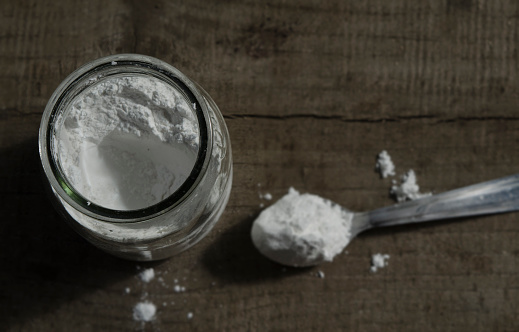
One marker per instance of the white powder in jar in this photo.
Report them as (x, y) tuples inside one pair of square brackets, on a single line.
[(127, 142), (302, 230)]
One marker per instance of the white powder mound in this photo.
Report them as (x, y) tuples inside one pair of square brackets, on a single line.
[(378, 261), (144, 311), (147, 275), (302, 230), (385, 165), (127, 142), (408, 189)]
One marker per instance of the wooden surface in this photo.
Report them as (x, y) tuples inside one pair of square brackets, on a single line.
[(311, 92)]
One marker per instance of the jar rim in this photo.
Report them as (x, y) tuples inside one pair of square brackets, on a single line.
[(87, 75)]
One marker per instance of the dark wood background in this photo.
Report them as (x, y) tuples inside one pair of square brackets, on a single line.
[(311, 92)]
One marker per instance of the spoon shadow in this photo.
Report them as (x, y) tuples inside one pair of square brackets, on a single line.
[(233, 258)]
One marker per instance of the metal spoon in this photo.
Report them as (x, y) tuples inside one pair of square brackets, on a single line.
[(495, 196)]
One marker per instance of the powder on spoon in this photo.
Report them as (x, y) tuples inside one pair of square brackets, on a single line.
[(302, 230)]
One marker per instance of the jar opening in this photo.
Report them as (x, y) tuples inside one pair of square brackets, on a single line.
[(127, 139)]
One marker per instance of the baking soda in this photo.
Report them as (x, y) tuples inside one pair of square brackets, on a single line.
[(408, 189), (127, 142), (302, 230), (144, 311), (385, 165), (379, 261), (147, 275)]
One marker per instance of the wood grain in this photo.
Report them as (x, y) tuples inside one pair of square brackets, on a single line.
[(311, 91)]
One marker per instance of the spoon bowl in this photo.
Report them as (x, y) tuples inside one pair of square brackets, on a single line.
[(293, 244)]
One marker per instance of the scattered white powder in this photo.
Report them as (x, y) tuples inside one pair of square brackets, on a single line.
[(378, 261), (189, 315), (385, 165), (147, 275), (144, 311), (179, 289), (127, 142), (127, 290), (408, 189), (266, 196), (320, 274), (302, 230)]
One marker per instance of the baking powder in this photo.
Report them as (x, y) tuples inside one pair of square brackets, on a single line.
[(408, 189), (128, 142), (302, 230)]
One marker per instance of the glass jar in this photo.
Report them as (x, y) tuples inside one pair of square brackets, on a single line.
[(170, 225)]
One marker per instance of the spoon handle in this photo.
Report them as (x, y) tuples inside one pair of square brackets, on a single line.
[(495, 196)]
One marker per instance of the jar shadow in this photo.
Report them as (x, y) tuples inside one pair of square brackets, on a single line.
[(45, 263)]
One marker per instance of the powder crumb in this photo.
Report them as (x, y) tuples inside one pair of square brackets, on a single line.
[(114, 63), (261, 205), (267, 196), (147, 275), (127, 290), (385, 165), (408, 190), (320, 274), (144, 311), (179, 289), (189, 315), (378, 261)]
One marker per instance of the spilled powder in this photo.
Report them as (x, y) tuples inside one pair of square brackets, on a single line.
[(408, 189), (379, 261), (144, 311), (385, 165), (266, 196), (147, 275), (179, 289)]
